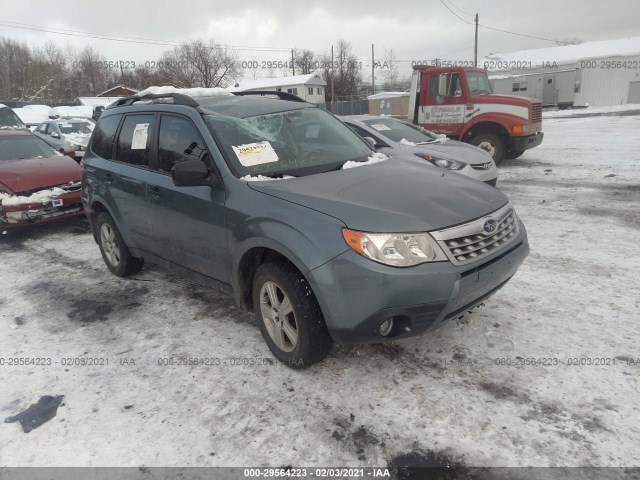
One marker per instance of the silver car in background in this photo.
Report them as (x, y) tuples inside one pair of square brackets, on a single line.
[(67, 135), (391, 135)]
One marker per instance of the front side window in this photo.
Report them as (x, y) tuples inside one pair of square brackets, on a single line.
[(178, 141), (42, 128), (134, 141), (294, 142), (105, 134)]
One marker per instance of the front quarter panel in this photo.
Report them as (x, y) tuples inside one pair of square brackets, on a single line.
[(304, 236)]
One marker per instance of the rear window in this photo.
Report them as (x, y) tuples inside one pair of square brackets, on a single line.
[(134, 141), (104, 135)]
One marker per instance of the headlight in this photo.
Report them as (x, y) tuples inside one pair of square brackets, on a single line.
[(442, 162), (395, 249), (77, 148)]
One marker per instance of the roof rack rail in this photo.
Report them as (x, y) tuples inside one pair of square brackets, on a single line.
[(178, 99), (281, 95)]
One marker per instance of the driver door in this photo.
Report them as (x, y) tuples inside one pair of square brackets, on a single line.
[(443, 113), (190, 221)]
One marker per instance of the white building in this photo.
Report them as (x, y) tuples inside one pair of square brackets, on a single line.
[(309, 87), (592, 73)]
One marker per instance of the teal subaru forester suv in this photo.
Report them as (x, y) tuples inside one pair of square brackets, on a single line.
[(275, 198)]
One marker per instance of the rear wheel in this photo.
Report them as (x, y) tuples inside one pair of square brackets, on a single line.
[(289, 316), (492, 144), (114, 252)]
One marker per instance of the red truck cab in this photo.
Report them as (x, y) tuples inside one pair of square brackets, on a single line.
[(458, 102)]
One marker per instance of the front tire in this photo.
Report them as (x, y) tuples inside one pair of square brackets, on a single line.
[(114, 252), (289, 316), (492, 144)]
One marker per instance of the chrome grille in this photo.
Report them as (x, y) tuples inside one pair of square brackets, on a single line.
[(536, 112), (470, 242), (482, 166)]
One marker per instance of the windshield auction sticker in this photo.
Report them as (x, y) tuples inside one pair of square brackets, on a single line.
[(380, 127), (255, 154)]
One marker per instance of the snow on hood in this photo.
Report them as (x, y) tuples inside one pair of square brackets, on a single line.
[(77, 138), (262, 178), (43, 196), (376, 157), (193, 92)]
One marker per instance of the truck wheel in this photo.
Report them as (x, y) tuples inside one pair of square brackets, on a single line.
[(492, 144), (289, 316), (513, 154), (113, 249)]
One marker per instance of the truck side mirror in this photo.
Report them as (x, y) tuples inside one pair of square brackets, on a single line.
[(442, 84)]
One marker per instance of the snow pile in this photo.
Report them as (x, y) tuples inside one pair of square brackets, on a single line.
[(80, 111), (262, 178), (567, 54), (77, 138), (193, 92), (442, 138), (404, 141), (377, 157), (43, 196), (591, 111)]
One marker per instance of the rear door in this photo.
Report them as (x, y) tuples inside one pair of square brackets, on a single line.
[(190, 220), (126, 179)]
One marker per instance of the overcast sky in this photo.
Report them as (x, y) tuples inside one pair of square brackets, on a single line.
[(414, 29)]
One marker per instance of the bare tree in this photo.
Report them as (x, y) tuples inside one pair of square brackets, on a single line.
[(200, 64), (305, 61), (390, 69), (344, 74)]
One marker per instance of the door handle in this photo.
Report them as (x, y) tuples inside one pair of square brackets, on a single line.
[(155, 192)]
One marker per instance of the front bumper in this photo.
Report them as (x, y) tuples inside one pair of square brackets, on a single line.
[(357, 295), (66, 206), (530, 141)]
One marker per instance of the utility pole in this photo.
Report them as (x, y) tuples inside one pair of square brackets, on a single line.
[(333, 98), (373, 71), (475, 48), (293, 63)]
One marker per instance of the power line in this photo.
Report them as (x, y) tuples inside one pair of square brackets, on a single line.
[(447, 6), (498, 29), (460, 10), (519, 34), (121, 38)]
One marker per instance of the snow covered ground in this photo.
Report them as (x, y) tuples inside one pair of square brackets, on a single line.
[(575, 300)]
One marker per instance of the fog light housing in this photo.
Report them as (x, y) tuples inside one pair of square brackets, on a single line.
[(386, 327)]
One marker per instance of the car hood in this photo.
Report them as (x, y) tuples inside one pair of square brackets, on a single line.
[(29, 174), (81, 139), (396, 195), (450, 150)]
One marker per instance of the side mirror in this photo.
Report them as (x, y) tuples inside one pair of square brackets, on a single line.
[(442, 84), (190, 173), (370, 141), (55, 134)]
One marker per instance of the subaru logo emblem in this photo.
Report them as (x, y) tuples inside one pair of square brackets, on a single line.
[(490, 226)]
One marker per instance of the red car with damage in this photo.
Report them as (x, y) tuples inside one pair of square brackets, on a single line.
[(37, 183)]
